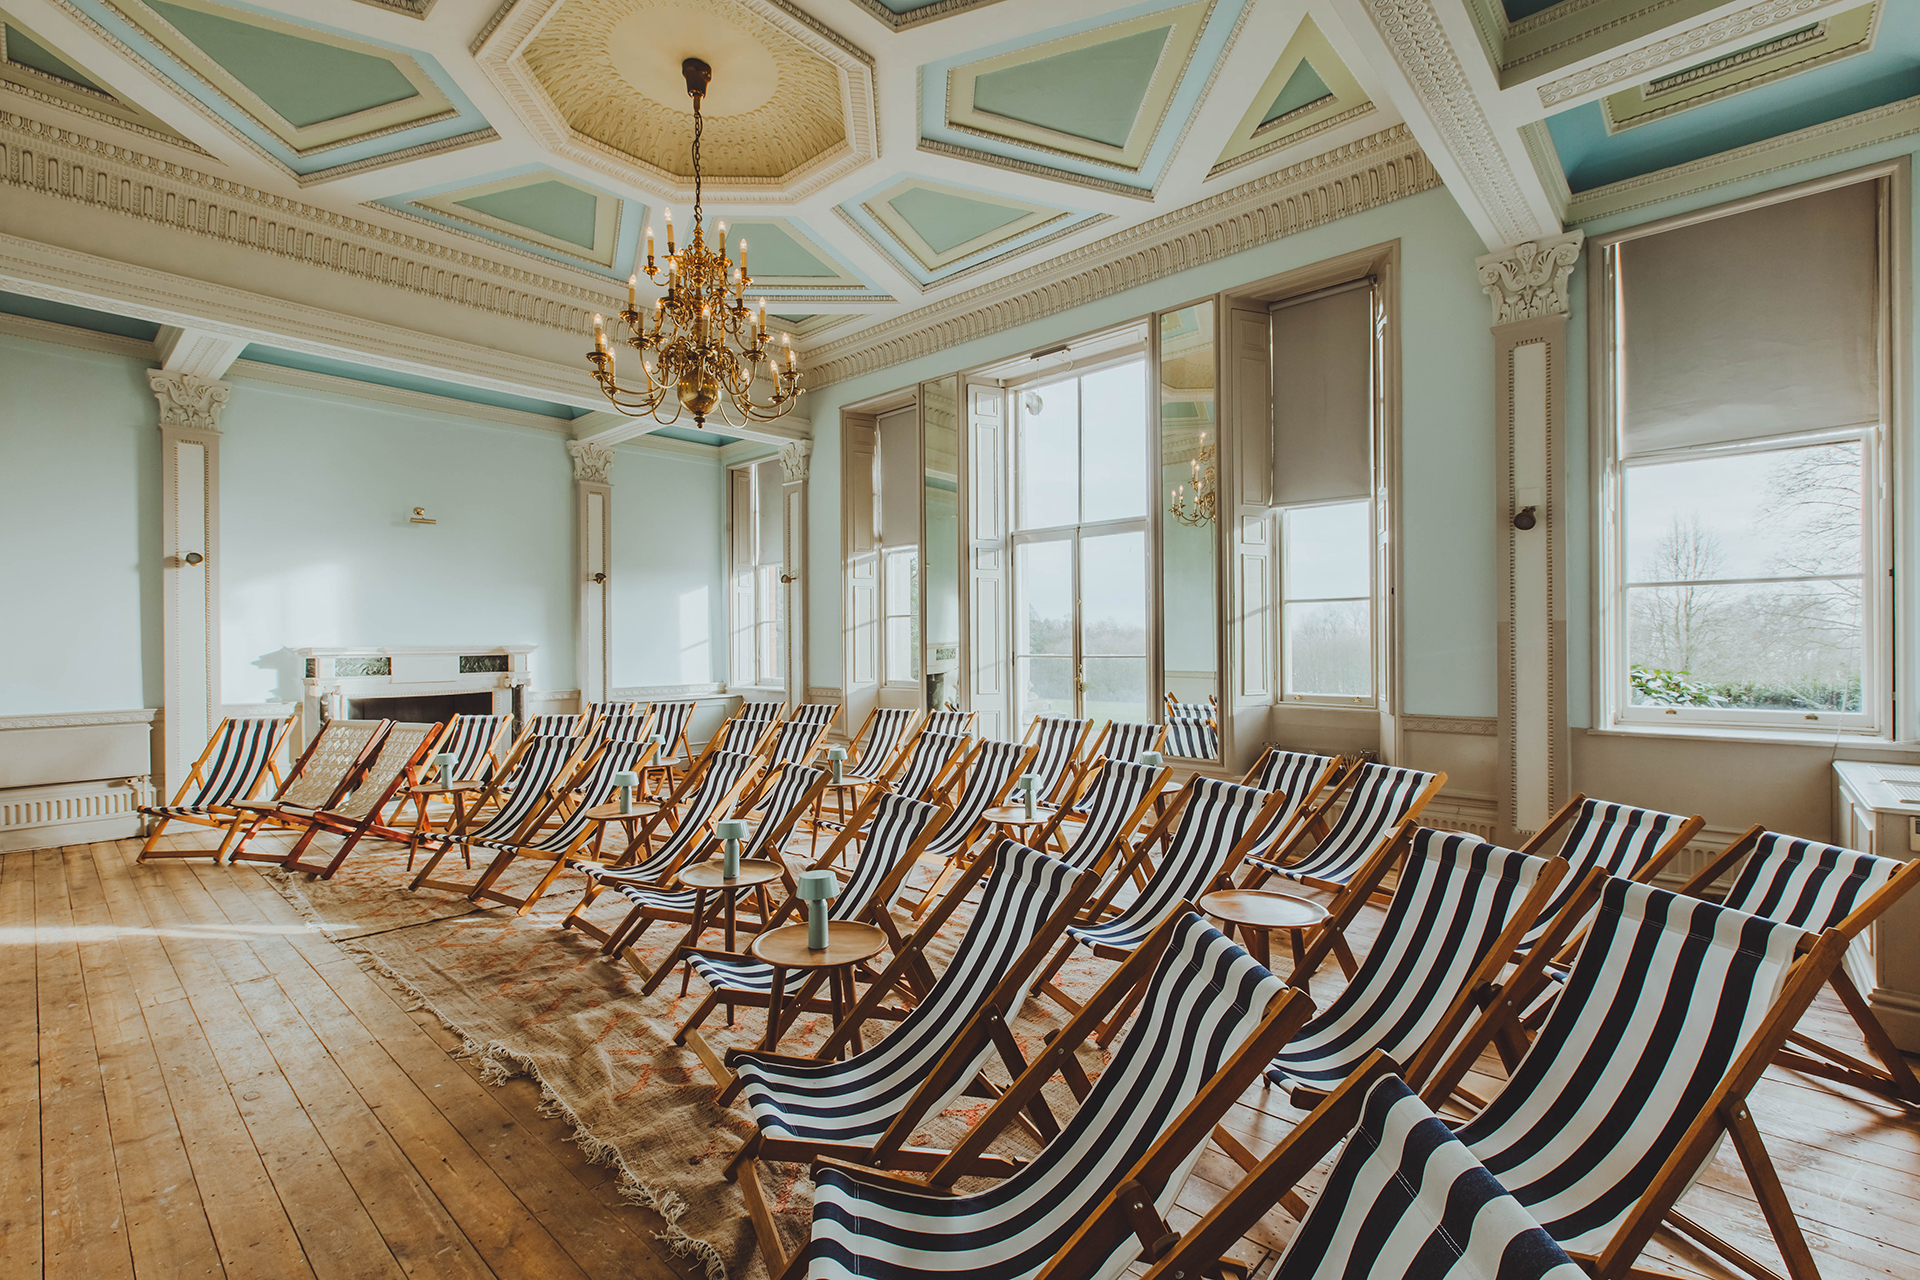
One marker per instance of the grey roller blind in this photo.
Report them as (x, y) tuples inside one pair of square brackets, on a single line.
[(767, 478), (1323, 398), (740, 523), (900, 479), (1759, 324)]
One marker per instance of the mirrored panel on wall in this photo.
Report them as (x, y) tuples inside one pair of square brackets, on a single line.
[(940, 578), (1190, 647)]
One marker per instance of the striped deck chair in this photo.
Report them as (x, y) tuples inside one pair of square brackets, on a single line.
[(551, 726), (866, 1108), (1301, 776), (791, 796), (1457, 914), (670, 721), (991, 769), (706, 798), (920, 771), (796, 742), (1209, 1018), (1193, 729), (885, 732), (897, 832), (820, 713), (1673, 1009), (1406, 1201), (236, 763), (949, 722), (322, 778), (621, 725), (1111, 807), (1121, 740), (540, 763), (478, 745), (1218, 823), (1618, 839), (1820, 887), (556, 834), (403, 753), (1056, 741)]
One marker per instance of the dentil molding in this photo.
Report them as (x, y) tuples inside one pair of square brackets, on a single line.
[(796, 460), (592, 463), (1635, 65), (1529, 280), (187, 400)]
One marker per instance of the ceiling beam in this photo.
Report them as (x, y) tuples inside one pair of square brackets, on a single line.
[(200, 352)]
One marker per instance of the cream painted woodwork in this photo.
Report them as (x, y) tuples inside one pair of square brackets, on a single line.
[(740, 577), (859, 449), (593, 517), (796, 465), (989, 662), (1876, 809), (1247, 422), (189, 566)]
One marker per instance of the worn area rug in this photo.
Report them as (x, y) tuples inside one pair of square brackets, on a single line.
[(532, 998)]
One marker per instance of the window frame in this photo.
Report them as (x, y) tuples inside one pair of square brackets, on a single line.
[(1884, 518), (754, 660), (1284, 650)]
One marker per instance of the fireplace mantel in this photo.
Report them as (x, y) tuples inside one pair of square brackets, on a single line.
[(334, 676)]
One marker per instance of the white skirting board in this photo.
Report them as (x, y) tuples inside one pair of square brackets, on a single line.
[(70, 813)]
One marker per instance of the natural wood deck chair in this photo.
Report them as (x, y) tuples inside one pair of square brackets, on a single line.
[(1823, 888), (1112, 801), (1209, 1020), (949, 721), (897, 832), (1121, 740), (238, 759), (322, 778), (1406, 1201), (706, 797), (743, 735), (621, 724), (594, 712), (662, 899), (991, 771), (922, 772), (670, 721), (557, 833), (865, 1109), (1615, 838), (539, 764), (1217, 822), (800, 737), (1057, 742), (1304, 779), (666, 815), (1193, 728), (479, 746), (885, 733), (402, 753), (549, 726)]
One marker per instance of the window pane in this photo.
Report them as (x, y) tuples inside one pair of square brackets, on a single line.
[(1116, 688), (1043, 581), (1113, 593), (1786, 646), (1783, 513), (903, 649), (1329, 649), (1327, 552), (1047, 468), (1113, 434), (1187, 598), (1046, 686)]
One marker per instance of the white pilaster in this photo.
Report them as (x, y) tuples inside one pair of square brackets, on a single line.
[(796, 465), (190, 408), (593, 518)]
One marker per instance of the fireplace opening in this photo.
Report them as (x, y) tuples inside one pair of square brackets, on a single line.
[(421, 710)]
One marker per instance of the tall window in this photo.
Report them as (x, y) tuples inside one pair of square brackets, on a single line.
[(756, 602), (1080, 544), (1326, 602), (1744, 578), (900, 611)]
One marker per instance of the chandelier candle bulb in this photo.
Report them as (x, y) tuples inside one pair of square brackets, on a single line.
[(626, 782), (731, 832), (669, 237), (743, 255), (649, 247), (633, 293)]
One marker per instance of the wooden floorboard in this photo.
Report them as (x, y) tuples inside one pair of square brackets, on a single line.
[(197, 1084)]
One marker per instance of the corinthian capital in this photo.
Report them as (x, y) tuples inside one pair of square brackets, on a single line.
[(796, 460), (187, 400), (1529, 280), (592, 463)]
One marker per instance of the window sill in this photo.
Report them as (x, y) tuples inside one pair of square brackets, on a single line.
[(1837, 740)]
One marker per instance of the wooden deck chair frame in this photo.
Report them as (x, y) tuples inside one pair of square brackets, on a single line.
[(804, 1000), (1893, 1077), (1337, 773), (1105, 859), (758, 747), (1129, 1207), (483, 809), (268, 811), (1656, 862), (353, 830), (958, 778), (907, 736), (225, 817), (1063, 784), (492, 759), (668, 809)]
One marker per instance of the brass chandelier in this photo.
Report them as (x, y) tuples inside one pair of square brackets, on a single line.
[(1205, 490), (707, 342)]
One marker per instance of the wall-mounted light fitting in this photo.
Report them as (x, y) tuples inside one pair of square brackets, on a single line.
[(420, 516)]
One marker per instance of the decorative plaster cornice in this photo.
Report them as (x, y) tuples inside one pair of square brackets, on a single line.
[(953, 150), (1634, 66), (592, 463), (1361, 175), (796, 460), (1412, 30), (79, 108), (187, 400), (1529, 280), (459, 142), (79, 719)]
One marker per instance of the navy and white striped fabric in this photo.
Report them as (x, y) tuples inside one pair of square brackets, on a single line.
[(621, 725), (468, 740), (1664, 995), (760, 712), (723, 772), (856, 1099), (1117, 790), (1192, 731), (1206, 998), (1617, 838), (818, 713), (1215, 820), (988, 772), (670, 722), (927, 759), (1057, 738), (1407, 1201), (794, 741), (776, 813), (1811, 886), (958, 723), (889, 726), (1376, 803), (1294, 774), (246, 746), (593, 711), (897, 823), (594, 789), (553, 726), (1456, 894), (1126, 739), (744, 733), (539, 764)]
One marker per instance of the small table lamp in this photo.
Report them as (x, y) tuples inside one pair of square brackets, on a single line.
[(731, 832), (626, 782), (444, 762), (838, 755), (817, 888), (1030, 784)]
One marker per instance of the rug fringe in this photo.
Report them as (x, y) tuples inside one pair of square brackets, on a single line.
[(497, 1064)]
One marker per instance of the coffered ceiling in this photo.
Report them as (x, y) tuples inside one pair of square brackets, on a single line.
[(901, 166)]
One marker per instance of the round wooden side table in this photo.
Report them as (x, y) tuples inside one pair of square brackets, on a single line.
[(1013, 822), (1260, 912), (707, 883), (601, 814), (848, 943)]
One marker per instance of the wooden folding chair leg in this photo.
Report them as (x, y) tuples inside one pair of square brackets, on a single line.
[(758, 1212), (1905, 1085), (1772, 1196)]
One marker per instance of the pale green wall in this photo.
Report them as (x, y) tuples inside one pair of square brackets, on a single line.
[(79, 532), (1448, 593), (668, 596), (315, 493)]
